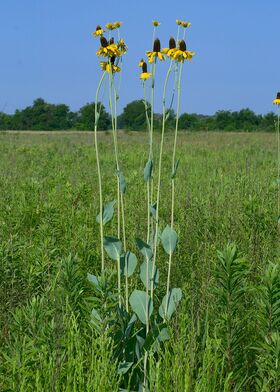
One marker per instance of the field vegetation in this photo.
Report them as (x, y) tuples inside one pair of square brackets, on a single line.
[(225, 334)]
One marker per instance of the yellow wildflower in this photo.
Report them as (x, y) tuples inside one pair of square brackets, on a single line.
[(172, 48), (108, 49), (156, 53), (178, 22), (117, 25), (109, 67), (185, 24), (122, 46), (110, 26), (276, 101), (156, 23), (141, 63), (145, 74), (182, 53), (98, 32)]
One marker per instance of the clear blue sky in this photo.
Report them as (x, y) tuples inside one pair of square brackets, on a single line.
[(47, 50)]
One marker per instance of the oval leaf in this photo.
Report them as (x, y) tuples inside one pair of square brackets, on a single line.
[(93, 279), (143, 274), (148, 170), (122, 181), (108, 212), (124, 367), (174, 297), (113, 247), (169, 239), (128, 263), (137, 301), (144, 248)]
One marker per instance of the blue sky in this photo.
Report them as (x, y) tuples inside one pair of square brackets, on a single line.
[(47, 51)]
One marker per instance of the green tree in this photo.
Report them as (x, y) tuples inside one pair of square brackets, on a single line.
[(85, 117), (133, 116)]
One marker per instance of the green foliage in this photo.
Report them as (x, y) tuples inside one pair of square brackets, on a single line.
[(85, 117), (133, 116)]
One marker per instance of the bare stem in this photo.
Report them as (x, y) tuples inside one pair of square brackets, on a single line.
[(96, 117)]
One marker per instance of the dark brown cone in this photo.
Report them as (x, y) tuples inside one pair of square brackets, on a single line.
[(104, 42), (144, 67), (182, 46), (172, 43), (278, 96), (111, 41), (112, 59), (98, 28), (156, 47)]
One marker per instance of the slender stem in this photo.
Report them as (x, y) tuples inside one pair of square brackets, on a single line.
[(96, 117), (159, 178), (175, 144), (151, 154), (119, 281), (114, 124), (168, 284), (148, 182), (278, 158)]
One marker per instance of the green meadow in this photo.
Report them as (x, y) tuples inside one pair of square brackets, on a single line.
[(224, 335)]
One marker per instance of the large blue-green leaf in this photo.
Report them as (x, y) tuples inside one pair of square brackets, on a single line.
[(122, 181), (137, 302), (128, 263), (144, 248), (108, 212), (113, 247), (169, 239), (96, 320), (147, 268), (124, 367), (148, 170), (93, 279), (174, 297)]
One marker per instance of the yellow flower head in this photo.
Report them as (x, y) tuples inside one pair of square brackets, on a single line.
[(111, 26), (122, 46), (179, 22), (185, 24), (181, 54), (117, 25), (145, 74), (141, 63), (156, 53), (108, 49), (276, 101), (109, 67), (98, 32), (171, 50), (156, 23)]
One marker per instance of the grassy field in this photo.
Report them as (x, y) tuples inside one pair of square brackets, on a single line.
[(223, 337)]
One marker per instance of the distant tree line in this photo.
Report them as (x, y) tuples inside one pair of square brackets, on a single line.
[(45, 116)]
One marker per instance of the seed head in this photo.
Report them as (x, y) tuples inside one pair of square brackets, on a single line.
[(98, 28), (278, 96), (172, 43), (111, 41), (182, 45), (144, 67), (156, 47), (103, 42)]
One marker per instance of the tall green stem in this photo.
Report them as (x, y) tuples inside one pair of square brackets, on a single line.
[(175, 144), (278, 159), (159, 178), (96, 117)]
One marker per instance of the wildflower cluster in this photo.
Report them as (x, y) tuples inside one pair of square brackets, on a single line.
[(110, 50)]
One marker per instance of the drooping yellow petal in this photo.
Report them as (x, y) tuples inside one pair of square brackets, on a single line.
[(276, 101), (145, 75)]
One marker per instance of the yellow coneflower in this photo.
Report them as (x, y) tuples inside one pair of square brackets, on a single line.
[(122, 46), (156, 52), (99, 31), (276, 101), (108, 49), (185, 24), (141, 62), (179, 22), (156, 23), (145, 74), (110, 26), (182, 54), (172, 48), (117, 25), (109, 67)]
